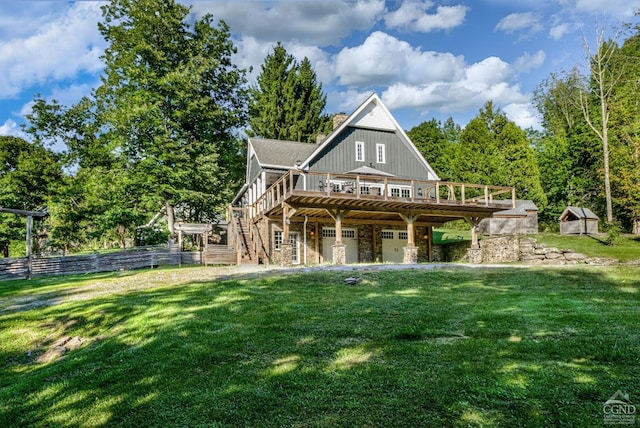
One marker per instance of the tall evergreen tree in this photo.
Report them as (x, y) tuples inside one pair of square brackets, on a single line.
[(287, 101)]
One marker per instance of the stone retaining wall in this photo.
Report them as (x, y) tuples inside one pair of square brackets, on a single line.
[(529, 251)]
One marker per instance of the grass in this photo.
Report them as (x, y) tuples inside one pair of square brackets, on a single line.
[(441, 347), (627, 247)]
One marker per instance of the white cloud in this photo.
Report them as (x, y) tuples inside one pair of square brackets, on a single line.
[(60, 49), (383, 59), (524, 115), (520, 21), (528, 62), (309, 22), (413, 15), (427, 80), (10, 127), (558, 31), (615, 8)]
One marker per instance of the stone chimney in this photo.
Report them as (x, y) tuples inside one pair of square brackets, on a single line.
[(320, 138), (339, 119)]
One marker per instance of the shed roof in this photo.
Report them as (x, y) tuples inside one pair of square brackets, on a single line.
[(578, 213), (280, 153), (522, 207)]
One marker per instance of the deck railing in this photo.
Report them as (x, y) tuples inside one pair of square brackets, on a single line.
[(382, 188)]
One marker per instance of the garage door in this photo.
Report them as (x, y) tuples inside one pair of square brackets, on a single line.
[(349, 238), (393, 243)]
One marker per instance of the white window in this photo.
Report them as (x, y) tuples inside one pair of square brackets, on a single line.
[(403, 235), (349, 233), (277, 239), (400, 191), (380, 153), (328, 233), (359, 151), (387, 234)]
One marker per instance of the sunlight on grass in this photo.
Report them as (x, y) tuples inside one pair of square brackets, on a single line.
[(409, 292), (228, 298), (283, 365), (584, 378), (475, 417), (349, 357)]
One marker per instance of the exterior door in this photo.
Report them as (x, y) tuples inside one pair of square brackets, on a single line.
[(294, 238), (393, 243), (349, 238)]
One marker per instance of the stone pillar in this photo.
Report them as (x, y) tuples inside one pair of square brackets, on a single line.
[(475, 255), (410, 255), (286, 254), (339, 254)]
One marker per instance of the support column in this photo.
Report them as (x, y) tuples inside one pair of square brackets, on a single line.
[(475, 252), (29, 240), (286, 251), (429, 244), (339, 249), (410, 251)]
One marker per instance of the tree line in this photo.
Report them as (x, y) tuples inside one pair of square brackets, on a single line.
[(162, 136)]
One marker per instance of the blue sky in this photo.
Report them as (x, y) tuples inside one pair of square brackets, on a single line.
[(426, 59)]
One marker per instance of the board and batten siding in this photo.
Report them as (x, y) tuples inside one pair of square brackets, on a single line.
[(400, 160), (254, 169)]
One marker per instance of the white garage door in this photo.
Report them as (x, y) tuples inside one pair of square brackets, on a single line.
[(349, 238), (393, 243)]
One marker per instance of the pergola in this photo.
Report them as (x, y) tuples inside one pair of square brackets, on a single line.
[(29, 215)]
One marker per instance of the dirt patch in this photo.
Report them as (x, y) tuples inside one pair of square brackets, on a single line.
[(61, 347)]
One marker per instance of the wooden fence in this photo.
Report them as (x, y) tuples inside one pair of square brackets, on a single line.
[(137, 258)]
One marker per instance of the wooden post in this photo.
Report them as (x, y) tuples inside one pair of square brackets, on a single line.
[(429, 243), (474, 221), (338, 220), (285, 224), (316, 242), (29, 256)]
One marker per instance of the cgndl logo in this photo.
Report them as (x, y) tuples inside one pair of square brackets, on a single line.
[(618, 410)]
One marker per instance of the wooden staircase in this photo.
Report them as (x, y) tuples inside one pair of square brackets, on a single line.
[(248, 254)]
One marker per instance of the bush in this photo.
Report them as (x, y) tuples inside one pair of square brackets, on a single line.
[(613, 230)]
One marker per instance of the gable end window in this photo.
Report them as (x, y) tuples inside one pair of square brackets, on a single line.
[(359, 151), (380, 153)]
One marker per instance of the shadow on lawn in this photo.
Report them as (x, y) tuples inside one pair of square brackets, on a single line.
[(448, 347)]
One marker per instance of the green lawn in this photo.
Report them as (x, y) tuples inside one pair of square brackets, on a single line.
[(430, 348), (627, 247)]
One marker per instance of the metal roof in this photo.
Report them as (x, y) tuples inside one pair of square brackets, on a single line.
[(578, 212)]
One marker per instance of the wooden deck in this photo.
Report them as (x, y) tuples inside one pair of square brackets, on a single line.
[(379, 198)]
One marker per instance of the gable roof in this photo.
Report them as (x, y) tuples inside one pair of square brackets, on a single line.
[(280, 154), (371, 114), (367, 170), (578, 212)]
